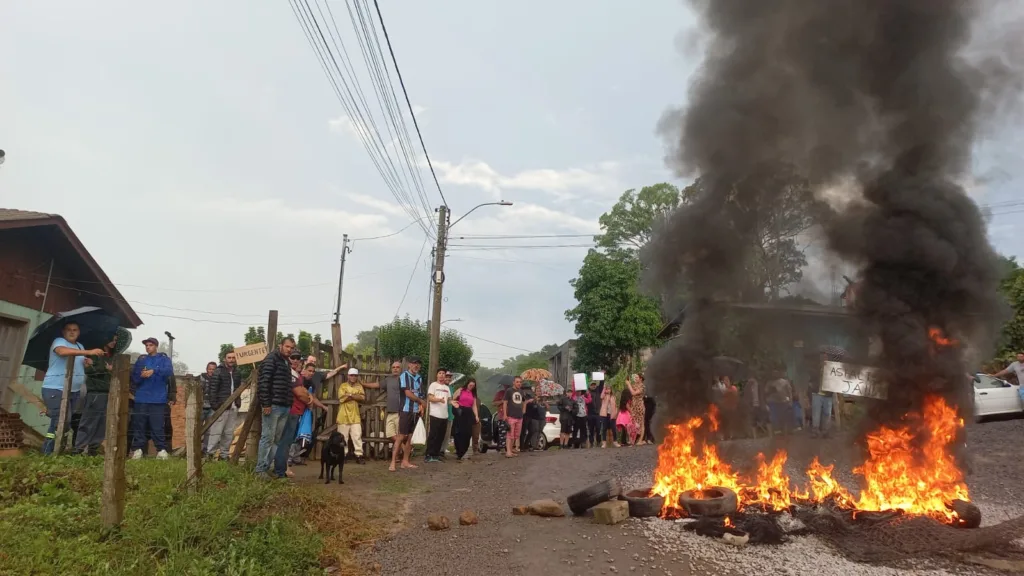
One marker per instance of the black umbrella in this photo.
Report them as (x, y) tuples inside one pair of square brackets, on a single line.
[(502, 380), (97, 329)]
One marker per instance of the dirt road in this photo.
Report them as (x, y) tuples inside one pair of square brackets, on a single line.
[(491, 485)]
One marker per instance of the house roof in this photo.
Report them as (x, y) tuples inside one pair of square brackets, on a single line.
[(11, 219)]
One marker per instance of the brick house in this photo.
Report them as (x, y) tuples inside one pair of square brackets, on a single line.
[(44, 269)]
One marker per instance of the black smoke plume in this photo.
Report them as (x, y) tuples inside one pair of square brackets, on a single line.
[(877, 95)]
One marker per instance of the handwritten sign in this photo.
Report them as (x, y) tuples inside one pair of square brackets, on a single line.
[(597, 376), (579, 381), (852, 380), (251, 354)]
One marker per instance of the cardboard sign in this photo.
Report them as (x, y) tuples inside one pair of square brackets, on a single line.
[(598, 376), (852, 380), (579, 381), (251, 354)]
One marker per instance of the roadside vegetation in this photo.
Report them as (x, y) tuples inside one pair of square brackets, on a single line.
[(237, 525)]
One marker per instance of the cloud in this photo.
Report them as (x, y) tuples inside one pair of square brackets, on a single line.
[(345, 125), (390, 208), (562, 184), (277, 212)]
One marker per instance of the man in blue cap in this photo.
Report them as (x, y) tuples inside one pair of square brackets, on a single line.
[(151, 382)]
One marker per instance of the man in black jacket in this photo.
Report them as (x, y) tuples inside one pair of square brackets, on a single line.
[(223, 383), (274, 391)]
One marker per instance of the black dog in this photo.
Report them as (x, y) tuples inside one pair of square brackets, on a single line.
[(333, 456)]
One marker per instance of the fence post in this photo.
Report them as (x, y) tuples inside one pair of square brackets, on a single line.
[(65, 405), (193, 435), (116, 444)]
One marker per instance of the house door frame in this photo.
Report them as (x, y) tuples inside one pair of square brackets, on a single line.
[(6, 394)]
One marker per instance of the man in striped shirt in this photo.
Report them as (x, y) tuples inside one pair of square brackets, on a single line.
[(410, 385)]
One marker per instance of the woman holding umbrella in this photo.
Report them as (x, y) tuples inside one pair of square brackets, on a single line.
[(63, 347)]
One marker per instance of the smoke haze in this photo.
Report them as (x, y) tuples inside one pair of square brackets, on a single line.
[(870, 97)]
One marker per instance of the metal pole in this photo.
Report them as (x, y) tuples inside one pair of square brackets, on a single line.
[(341, 279), (438, 282)]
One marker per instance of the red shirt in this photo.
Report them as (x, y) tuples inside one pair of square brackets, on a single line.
[(298, 406)]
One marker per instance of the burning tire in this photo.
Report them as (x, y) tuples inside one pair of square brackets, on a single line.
[(593, 495), (713, 501), (643, 504)]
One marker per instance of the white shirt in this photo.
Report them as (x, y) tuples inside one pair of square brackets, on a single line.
[(439, 409), (1019, 369)]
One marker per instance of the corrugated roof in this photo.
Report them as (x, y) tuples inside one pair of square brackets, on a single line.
[(7, 214)]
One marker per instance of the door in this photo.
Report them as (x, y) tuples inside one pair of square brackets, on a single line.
[(994, 396), (13, 334)]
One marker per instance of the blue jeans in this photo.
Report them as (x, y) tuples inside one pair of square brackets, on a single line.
[(149, 417), (821, 412), (273, 429), (52, 400), (285, 444), (798, 414)]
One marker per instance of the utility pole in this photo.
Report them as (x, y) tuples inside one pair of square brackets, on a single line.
[(438, 281), (336, 326)]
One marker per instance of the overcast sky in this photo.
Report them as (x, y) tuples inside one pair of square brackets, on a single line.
[(200, 154)]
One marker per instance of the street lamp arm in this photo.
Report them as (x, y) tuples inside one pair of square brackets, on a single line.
[(501, 203)]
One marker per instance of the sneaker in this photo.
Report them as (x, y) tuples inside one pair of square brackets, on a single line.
[(137, 455), (360, 460), (162, 455)]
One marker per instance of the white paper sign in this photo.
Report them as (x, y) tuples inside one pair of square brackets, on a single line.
[(579, 381), (598, 376), (852, 380)]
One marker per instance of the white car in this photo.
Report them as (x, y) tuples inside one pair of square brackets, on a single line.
[(993, 396)]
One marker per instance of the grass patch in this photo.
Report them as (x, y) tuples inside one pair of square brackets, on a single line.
[(238, 525)]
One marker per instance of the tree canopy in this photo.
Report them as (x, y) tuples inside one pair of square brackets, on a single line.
[(613, 319), (1011, 339), (404, 337), (628, 226)]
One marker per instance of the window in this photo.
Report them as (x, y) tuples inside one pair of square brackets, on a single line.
[(984, 381)]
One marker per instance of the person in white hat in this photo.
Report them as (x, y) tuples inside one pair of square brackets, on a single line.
[(350, 425)]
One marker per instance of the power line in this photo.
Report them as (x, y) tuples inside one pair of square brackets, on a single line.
[(405, 93), (404, 228), (492, 341), (524, 236), (411, 275), (474, 247), (350, 96)]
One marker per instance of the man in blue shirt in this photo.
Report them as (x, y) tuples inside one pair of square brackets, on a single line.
[(410, 385), (56, 373), (151, 377)]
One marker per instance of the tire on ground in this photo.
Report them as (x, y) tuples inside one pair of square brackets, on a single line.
[(642, 504), (715, 501), (593, 495)]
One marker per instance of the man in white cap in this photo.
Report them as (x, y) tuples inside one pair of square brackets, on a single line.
[(350, 425)]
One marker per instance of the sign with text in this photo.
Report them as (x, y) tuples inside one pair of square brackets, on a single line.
[(597, 376), (251, 354), (579, 381), (852, 380)]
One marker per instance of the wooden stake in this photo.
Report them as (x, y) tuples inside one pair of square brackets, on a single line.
[(65, 404), (116, 444), (193, 435)]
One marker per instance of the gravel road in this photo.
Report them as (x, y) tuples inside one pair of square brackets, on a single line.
[(491, 485)]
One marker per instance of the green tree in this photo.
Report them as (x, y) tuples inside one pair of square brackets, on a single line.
[(523, 362), (613, 320), (628, 226), (783, 211), (1011, 340), (405, 337)]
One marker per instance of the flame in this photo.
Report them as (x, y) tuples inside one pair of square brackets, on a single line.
[(909, 469), (939, 338), (728, 523)]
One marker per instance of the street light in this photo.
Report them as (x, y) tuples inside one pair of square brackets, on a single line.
[(451, 320), (499, 203)]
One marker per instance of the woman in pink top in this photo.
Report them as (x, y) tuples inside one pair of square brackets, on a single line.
[(467, 416)]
